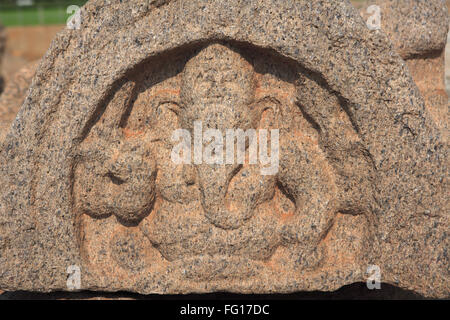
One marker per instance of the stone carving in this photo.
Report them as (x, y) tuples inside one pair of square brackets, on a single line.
[(2, 52), (91, 182), (219, 87), (418, 31), (14, 95)]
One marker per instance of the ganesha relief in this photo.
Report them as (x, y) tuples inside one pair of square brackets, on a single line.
[(141, 212), (251, 147)]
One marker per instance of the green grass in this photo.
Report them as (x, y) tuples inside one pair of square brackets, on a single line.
[(35, 15), (27, 17)]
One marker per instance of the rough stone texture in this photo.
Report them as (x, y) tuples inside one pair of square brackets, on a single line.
[(418, 30), (2, 52), (447, 65), (14, 95), (88, 180), (356, 291)]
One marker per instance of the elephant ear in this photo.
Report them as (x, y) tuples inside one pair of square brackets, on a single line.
[(152, 113)]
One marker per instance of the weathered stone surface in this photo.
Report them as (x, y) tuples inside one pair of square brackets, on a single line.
[(447, 65), (2, 52), (415, 27), (14, 95), (418, 30), (88, 179)]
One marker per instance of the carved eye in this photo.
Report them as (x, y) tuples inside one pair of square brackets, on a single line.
[(267, 110)]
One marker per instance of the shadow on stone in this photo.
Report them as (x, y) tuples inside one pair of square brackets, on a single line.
[(356, 291)]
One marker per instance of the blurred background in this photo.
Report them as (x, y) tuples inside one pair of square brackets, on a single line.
[(30, 26), (35, 12)]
